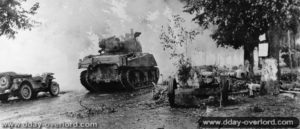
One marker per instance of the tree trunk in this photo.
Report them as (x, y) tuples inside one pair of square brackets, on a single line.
[(248, 53), (289, 50), (248, 56), (274, 37)]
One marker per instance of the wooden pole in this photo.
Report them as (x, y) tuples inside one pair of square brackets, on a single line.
[(289, 50)]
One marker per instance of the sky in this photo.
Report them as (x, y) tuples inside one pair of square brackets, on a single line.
[(71, 29)]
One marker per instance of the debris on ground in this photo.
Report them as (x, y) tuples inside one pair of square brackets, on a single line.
[(290, 95), (260, 106), (91, 110), (209, 110), (159, 93), (290, 86), (150, 104), (238, 85), (159, 98), (256, 108)]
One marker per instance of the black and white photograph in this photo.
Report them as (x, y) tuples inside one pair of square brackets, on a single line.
[(149, 64)]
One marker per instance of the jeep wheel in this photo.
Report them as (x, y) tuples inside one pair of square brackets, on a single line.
[(54, 89), (26, 91)]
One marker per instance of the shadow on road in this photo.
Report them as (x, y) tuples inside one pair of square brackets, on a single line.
[(41, 96)]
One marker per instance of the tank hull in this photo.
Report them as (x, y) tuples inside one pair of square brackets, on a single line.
[(127, 71)]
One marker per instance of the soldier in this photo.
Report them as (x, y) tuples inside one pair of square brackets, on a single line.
[(172, 85)]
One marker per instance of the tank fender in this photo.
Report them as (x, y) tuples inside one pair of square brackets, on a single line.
[(84, 63)]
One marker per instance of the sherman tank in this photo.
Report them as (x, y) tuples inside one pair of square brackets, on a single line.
[(120, 64)]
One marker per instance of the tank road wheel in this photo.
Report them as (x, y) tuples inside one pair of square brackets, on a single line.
[(84, 81), (122, 76), (129, 79), (146, 80), (133, 79), (25, 91), (152, 75), (54, 89), (143, 79), (151, 78), (137, 79)]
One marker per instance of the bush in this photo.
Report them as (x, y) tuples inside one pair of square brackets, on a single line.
[(289, 77), (184, 69)]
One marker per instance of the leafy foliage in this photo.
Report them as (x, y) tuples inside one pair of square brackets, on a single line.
[(289, 77), (284, 54), (184, 69), (14, 17), (174, 37), (240, 22)]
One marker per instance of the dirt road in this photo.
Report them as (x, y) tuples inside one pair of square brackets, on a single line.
[(136, 110), (108, 110)]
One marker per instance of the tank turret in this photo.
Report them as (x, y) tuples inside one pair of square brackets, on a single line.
[(120, 64), (114, 45)]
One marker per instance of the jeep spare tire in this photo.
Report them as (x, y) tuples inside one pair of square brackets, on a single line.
[(5, 82)]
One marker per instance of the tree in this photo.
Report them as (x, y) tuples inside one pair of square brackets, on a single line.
[(175, 39), (239, 23), (14, 17)]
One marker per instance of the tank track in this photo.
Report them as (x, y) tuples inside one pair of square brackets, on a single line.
[(139, 78), (130, 79), (91, 85), (84, 81)]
